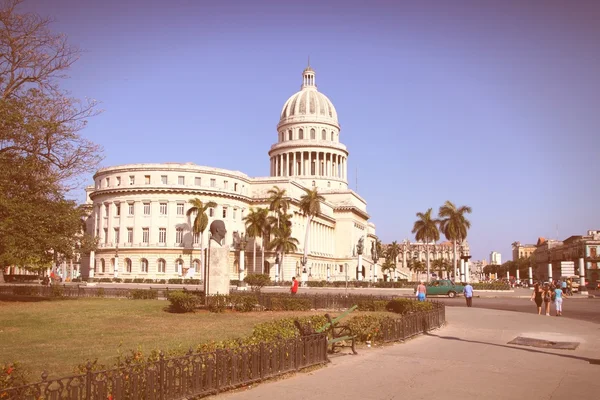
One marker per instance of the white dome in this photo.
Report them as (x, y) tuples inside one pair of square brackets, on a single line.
[(308, 104)]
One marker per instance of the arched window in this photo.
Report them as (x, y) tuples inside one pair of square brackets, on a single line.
[(128, 265), (162, 266), (313, 183), (332, 136), (323, 135), (144, 265), (196, 265), (281, 136), (102, 265), (312, 134), (290, 135), (301, 134)]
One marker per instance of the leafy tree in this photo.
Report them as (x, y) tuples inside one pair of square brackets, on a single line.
[(257, 281), (387, 267), (454, 225), (200, 223), (310, 205), (426, 230), (279, 206), (441, 266), (255, 221)]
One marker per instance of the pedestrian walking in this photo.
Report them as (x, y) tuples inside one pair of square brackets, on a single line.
[(547, 296), (537, 297), (294, 287), (421, 291), (563, 286), (569, 287), (558, 300), (469, 294)]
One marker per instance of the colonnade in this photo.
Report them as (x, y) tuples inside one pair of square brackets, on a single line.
[(309, 163)]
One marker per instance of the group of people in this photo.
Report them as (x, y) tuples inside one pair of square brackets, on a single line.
[(550, 292)]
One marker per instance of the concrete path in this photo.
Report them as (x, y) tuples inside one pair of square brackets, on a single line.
[(468, 358)]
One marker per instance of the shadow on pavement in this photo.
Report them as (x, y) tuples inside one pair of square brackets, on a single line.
[(593, 361)]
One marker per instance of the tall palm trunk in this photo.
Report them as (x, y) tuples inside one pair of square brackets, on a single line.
[(455, 260), (262, 242), (309, 219), (202, 266), (428, 275), (254, 256)]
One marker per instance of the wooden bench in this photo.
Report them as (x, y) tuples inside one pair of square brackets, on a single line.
[(340, 335)]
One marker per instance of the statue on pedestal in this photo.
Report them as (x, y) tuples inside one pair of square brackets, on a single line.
[(360, 245)]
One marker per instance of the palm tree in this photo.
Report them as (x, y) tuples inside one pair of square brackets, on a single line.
[(454, 225), (255, 221), (387, 266), (310, 206), (200, 223), (441, 266), (278, 203), (417, 266), (392, 253), (283, 243), (426, 229)]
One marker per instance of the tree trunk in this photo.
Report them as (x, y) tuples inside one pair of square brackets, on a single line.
[(202, 266), (428, 274), (262, 242), (455, 261), (1, 274), (254, 256), (306, 240)]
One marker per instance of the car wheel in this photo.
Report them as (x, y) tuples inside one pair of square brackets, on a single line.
[(451, 294)]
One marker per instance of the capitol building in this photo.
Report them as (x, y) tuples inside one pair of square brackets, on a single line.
[(138, 211)]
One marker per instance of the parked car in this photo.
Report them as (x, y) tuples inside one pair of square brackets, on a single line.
[(443, 287)]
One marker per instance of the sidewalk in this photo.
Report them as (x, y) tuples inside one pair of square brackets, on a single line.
[(468, 358)]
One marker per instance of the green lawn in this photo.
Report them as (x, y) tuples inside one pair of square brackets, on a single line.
[(57, 335)]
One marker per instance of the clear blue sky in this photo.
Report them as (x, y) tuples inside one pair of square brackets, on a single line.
[(494, 104)]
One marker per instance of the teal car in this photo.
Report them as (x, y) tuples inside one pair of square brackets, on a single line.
[(444, 287)]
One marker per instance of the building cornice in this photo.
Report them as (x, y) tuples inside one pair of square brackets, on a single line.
[(158, 190), (308, 143)]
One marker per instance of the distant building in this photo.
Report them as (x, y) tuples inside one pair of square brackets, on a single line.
[(495, 258), (522, 250), (476, 269), (549, 254)]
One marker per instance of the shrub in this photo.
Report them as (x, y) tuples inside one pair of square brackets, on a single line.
[(372, 305), (407, 306), (117, 280), (128, 280), (26, 290), (175, 281), (244, 302), (143, 294), (284, 328), (490, 286), (12, 375), (368, 327), (148, 280), (217, 303), (138, 280), (99, 292), (182, 302), (290, 304), (257, 281), (57, 291), (161, 281)]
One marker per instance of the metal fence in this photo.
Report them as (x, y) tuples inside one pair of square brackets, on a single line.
[(192, 375), (414, 324)]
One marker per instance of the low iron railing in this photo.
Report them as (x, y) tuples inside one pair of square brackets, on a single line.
[(414, 324), (192, 375)]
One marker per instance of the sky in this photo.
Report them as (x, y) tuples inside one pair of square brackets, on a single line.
[(491, 104)]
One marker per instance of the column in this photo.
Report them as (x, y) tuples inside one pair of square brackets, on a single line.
[(295, 167), (467, 272), (530, 276), (462, 270), (518, 275), (550, 272), (359, 268), (582, 288), (310, 162), (242, 265), (276, 165), (92, 262)]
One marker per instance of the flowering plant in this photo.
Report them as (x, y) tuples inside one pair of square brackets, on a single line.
[(12, 375)]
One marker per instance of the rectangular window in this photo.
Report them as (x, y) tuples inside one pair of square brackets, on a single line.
[(147, 179), (117, 209), (224, 212), (162, 235), (234, 213), (106, 209), (163, 208), (161, 266), (146, 235), (116, 235), (211, 212), (213, 183), (129, 235), (105, 235), (179, 236), (198, 181), (107, 182), (118, 181), (163, 179), (131, 208), (235, 187), (146, 208), (181, 180), (196, 238), (341, 267), (180, 208), (131, 180), (226, 185)]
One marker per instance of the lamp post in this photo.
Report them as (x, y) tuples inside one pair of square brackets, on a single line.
[(346, 266), (303, 261), (116, 272)]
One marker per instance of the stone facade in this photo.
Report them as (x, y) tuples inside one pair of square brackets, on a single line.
[(522, 250), (582, 249), (139, 210)]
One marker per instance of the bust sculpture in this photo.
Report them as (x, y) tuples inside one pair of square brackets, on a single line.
[(217, 232)]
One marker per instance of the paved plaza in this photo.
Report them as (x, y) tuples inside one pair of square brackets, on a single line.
[(468, 358)]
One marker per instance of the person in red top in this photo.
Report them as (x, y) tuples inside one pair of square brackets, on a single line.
[(294, 288)]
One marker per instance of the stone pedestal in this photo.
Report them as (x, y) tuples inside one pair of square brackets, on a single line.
[(217, 274), (359, 276)]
